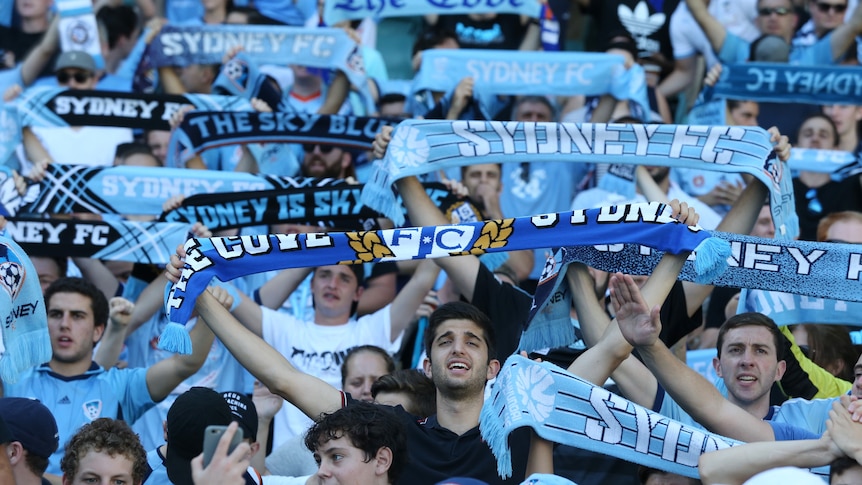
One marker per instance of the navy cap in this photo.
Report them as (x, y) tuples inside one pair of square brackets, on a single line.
[(31, 423)]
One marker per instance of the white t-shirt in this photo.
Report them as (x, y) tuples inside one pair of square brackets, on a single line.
[(319, 350), (89, 145)]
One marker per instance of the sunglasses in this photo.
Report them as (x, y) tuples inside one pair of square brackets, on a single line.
[(309, 147), (63, 77), (767, 11), (814, 205), (824, 7)]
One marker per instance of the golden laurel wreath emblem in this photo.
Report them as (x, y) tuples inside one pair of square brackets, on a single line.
[(494, 234), (368, 246)]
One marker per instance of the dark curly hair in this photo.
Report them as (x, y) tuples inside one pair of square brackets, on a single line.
[(105, 435), (369, 427)]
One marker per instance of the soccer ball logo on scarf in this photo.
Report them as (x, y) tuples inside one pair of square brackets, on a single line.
[(12, 277)]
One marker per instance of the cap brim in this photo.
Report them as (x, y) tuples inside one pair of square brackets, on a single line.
[(179, 468)]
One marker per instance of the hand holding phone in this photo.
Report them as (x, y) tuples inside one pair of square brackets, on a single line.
[(213, 435)]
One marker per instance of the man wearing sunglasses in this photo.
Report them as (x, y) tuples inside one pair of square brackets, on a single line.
[(321, 160), (76, 145), (826, 15), (778, 17)]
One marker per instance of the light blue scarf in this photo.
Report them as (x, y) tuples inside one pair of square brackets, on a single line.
[(328, 48), (420, 147), (231, 257), (335, 11), (563, 408), (839, 163), (816, 270), (791, 309), (24, 328), (131, 190), (775, 82), (532, 73), (78, 29)]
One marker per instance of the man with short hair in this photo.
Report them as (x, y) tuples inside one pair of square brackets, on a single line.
[(362, 443), (104, 451), (460, 347), (34, 438), (74, 387)]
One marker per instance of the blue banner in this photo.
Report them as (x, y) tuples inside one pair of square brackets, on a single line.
[(335, 11)]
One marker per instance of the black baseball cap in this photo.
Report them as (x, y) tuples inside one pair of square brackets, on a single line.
[(31, 423), (244, 412), (188, 418)]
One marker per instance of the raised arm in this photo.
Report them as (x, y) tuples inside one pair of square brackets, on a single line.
[(715, 32), (404, 305), (111, 344), (845, 34), (167, 374), (735, 465), (696, 395)]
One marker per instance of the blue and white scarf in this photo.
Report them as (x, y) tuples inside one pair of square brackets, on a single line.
[(335, 11), (207, 44), (563, 408), (231, 257), (420, 147), (816, 270), (776, 82), (137, 242), (791, 309), (839, 163), (129, 189), (22, 308), (529, 72)]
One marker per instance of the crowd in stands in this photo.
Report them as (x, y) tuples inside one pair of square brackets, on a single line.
[(378, 372)]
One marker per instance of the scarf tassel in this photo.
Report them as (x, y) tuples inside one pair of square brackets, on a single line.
[(23, 351), (711, 260), (494, 433)]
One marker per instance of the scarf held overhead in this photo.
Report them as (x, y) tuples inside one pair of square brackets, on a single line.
[(231, 257), (815, 270), (133, 190), (203, 130), (775, 82), (265, 44), (563, 408), (335, 11), (336, 206), (420, 147), (57, 107), (136, 242)]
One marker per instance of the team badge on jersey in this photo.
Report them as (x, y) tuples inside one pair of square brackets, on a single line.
[(93, 409)]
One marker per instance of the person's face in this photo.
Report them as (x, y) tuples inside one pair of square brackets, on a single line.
[(142, 160), (827, 14), (845, 117), (816, 133), (99, 468), (158, 142), (74, 78), (776, 17), (530, 111), (195, 78), (857, 378), (851, 476), (29, 9), (47, 269), (334, 289), (236, 18), (341, 463), (745, 114), (72, 328), (763, 226), (847, 231), (364, 369), (324, 161), (459, 363), (748, 363), (485, 174)]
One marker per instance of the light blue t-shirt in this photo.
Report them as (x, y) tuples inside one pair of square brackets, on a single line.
[(158, 470), (807, 414), (78, 400)]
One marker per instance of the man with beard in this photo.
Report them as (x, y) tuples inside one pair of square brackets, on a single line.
[(326, 161), (598, 197)]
